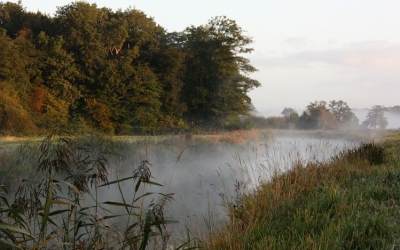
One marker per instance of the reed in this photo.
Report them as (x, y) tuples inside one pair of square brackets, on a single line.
[(60, 206)]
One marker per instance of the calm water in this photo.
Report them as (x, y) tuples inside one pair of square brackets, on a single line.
[(202, 182)]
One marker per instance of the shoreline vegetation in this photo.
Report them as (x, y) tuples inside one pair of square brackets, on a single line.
[(349, 202)]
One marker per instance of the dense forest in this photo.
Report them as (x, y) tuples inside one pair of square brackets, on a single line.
[(87, 68), (118, 72)]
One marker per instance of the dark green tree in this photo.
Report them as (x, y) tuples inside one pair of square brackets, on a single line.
[(169, 65), (376, 117), (58, 73), (216, 79), (113, 53), (19, 22)]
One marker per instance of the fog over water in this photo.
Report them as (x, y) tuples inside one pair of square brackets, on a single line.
[(205, 177), (392, 118)]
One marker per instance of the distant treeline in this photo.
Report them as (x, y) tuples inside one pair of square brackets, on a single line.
[(320, 115), (118, 72)]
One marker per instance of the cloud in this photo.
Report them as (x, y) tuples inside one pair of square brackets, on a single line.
[(365, 55), (369, 44), (387, 58), (296, 41)]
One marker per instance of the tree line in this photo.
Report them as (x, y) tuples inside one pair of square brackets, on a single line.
[(321, 115), (119, 72)]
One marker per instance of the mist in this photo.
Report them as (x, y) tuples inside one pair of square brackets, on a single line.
[(205, 177), (392, 118)]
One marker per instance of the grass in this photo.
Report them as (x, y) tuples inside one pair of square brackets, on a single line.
[(351, 202)]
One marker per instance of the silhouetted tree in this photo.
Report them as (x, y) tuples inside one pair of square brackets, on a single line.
[(376, 117), (291, 118), (317, 116), (343, 114)]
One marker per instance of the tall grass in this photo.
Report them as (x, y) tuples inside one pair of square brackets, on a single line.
[(348, 202), (61, 205)]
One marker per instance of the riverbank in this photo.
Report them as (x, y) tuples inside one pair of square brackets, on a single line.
[(351, 202)]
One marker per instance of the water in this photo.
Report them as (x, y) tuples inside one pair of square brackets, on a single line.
[(204, 179), (203, 176)]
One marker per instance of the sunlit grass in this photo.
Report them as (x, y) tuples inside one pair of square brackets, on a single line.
[(350, 202)]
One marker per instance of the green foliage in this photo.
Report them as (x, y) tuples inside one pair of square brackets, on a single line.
[(121, 72), (216, 77)]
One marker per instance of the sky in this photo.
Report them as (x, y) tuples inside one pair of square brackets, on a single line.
[(304, 50)]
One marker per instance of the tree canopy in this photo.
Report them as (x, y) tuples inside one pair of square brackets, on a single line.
[(119, 72)]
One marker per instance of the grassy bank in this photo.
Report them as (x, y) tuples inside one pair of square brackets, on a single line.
[(350, 203)]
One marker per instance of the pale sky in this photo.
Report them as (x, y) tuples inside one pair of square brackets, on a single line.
[(305, 50)]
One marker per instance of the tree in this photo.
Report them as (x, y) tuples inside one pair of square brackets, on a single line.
[(317, 116), (343, 113), (113, 54), (291, 117), (394, 109), (14, 117), (120, 72), (376, 117), (216, 79), (20, 23), (56, 96), (169, 65)]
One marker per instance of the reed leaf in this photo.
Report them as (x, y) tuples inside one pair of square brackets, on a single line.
[(43, 243), (11, 244), (15, 229), (116, 181), (47, 206), (112, 203)]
